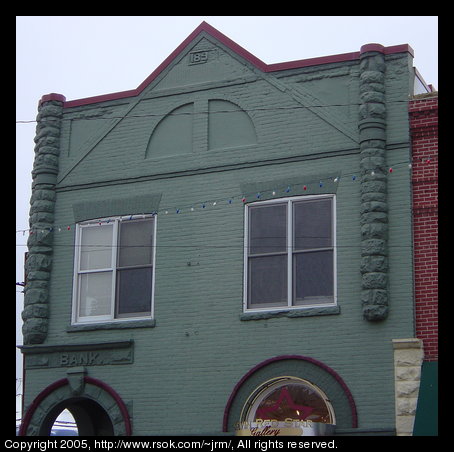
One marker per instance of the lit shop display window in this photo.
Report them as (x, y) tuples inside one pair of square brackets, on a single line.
[(287, 406)]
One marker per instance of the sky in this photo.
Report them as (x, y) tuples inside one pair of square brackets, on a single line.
[(84, 56)]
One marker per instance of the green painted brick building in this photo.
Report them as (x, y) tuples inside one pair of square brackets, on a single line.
[(226, 247)]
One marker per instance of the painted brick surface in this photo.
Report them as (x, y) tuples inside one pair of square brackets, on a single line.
[(186, 366), (423, 112)]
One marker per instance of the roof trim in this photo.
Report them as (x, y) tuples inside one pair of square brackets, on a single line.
[(259, 64)]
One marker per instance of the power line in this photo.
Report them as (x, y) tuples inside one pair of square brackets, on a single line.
[(150, 115), (244, 198)]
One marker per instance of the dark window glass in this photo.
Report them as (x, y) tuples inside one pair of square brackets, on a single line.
[(268, 229), (313, 276), (134, 291), (136, 240), (134, 271), (312, 224), (268, 281)]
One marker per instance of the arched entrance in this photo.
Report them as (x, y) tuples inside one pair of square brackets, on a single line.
[(97, 409), (90, 417)]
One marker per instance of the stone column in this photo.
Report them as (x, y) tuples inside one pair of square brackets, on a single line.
[(373, 170), (408, 358), (39, 261)]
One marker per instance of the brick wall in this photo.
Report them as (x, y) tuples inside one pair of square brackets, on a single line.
[(201, 345), (423, 112)]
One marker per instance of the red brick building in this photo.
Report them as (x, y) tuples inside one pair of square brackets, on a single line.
[(423, 114)]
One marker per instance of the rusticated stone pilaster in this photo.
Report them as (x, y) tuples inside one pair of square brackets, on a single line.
[(39, 261), (408, 359), (374, 207)]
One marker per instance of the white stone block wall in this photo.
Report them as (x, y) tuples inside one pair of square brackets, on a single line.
[(408, 358)]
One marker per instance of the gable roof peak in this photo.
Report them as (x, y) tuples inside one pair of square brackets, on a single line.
[(205, 27)]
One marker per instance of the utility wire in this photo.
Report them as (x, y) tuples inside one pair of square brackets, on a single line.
[(150, 115), (254, 196)]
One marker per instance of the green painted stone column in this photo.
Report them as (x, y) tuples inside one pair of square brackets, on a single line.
[(374, 206), (42, 203)]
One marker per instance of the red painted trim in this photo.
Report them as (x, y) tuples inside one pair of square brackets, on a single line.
[(259, 64), (313, 62), (64, 381), (386, 50), (117, 398), (259, 366), (401, 48), (52, 96), (101, 98), (40, 397)]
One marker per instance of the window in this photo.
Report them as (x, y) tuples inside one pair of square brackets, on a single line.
[(114, 262), (288, 400), (290, 253)]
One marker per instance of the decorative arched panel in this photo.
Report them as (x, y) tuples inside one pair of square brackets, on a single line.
[(229, 126), (309, 371), (173, 134)]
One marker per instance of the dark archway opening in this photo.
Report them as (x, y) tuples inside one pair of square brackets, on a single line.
[(91, 419)]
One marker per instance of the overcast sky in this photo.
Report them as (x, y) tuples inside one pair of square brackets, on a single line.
[(83, 56)]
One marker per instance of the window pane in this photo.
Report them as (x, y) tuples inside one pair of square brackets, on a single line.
[(294, 401), (134, 290), (96, 247), (136, 240), (313, 277), (312, 224), (267, 281), (268, 229), (95, 294)]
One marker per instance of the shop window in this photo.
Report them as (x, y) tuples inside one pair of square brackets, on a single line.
[(114, 267), (288, 401), (290, 253)]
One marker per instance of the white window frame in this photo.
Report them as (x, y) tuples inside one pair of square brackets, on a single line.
[(75, 319), (290, 201)]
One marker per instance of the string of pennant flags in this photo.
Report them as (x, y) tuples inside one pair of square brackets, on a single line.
[(242, 198)]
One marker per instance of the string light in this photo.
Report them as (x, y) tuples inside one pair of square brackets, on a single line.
[(230, 200)]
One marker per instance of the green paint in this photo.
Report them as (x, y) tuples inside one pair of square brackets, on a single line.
[(285, 130)]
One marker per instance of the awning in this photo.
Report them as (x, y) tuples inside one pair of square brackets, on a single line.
[(426, 420)]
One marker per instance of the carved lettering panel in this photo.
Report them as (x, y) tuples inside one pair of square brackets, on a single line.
[(202, 56), (71, 356)]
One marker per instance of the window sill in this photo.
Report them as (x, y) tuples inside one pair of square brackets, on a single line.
[(146, 323), (304, 312)]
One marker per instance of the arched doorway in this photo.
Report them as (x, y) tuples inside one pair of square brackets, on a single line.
[(65, 425), (97, 409), (91, 419)]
